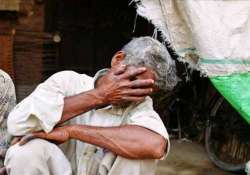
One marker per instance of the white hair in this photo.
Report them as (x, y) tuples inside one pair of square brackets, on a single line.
[(146, 51)]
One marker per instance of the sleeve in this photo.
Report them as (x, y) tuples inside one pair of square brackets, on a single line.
[(145, 116), (42, 109)]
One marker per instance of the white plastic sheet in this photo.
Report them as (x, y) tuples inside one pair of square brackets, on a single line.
[(215, 31)]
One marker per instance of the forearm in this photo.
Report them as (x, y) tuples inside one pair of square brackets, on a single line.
[(111, 89), (133, 142), (81, 103)]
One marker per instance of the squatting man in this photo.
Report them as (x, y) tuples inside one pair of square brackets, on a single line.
[(106, 125)]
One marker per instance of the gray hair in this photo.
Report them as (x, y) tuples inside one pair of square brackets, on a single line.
[(146, 51)]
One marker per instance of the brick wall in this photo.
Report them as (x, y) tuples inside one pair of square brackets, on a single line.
[(6, 52), (28, 47), (6, 47), (9, 4)]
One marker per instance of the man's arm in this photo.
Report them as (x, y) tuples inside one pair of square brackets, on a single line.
[(113, 88), (49, 106), (129, 141)]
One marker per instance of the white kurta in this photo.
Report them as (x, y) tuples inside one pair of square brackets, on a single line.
[(43, 109)]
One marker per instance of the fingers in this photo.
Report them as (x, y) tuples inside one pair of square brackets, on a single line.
[(132, 72), (133, 99), (15, 140), (139, 92), (121, 68), (142, 83), (27, 138)]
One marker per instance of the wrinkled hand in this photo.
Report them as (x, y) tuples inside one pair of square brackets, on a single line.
[(120, 86), (58, 136)]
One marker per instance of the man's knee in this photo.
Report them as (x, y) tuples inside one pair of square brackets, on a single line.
[(36, 156), (35, 149), (28, 159), (34, 153)]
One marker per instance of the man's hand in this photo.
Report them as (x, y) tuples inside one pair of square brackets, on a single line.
[(118, 85), (126, 140), (58, 136)]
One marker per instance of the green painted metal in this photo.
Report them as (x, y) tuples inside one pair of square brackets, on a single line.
[(236, 89)]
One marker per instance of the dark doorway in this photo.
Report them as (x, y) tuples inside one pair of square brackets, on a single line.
[(92, 31)]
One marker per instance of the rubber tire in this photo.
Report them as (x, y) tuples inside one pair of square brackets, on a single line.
[(212, 156)]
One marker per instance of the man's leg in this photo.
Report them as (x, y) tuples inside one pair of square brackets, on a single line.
[(123, 166), (37, 157)]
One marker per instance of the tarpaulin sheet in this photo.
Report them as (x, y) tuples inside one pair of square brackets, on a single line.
[(213, 36), (236, 89)]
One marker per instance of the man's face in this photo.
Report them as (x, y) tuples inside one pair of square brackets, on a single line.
[(148, 74)]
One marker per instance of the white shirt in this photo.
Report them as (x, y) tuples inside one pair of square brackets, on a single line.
[(42, 110)]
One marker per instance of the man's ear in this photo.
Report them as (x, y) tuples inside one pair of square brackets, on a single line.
[(117, 58)]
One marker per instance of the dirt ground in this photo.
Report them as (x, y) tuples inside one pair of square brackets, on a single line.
[(187, 158)]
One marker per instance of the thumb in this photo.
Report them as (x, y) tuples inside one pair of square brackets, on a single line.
[(15, 140)]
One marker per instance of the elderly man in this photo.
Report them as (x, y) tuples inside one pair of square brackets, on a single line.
[(7, 103), (111, 129)]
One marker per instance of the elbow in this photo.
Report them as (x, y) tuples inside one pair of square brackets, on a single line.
[(159, 148), (14, 127), (155, 149)]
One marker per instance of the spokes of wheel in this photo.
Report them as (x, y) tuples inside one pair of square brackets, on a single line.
[(227, 138)]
